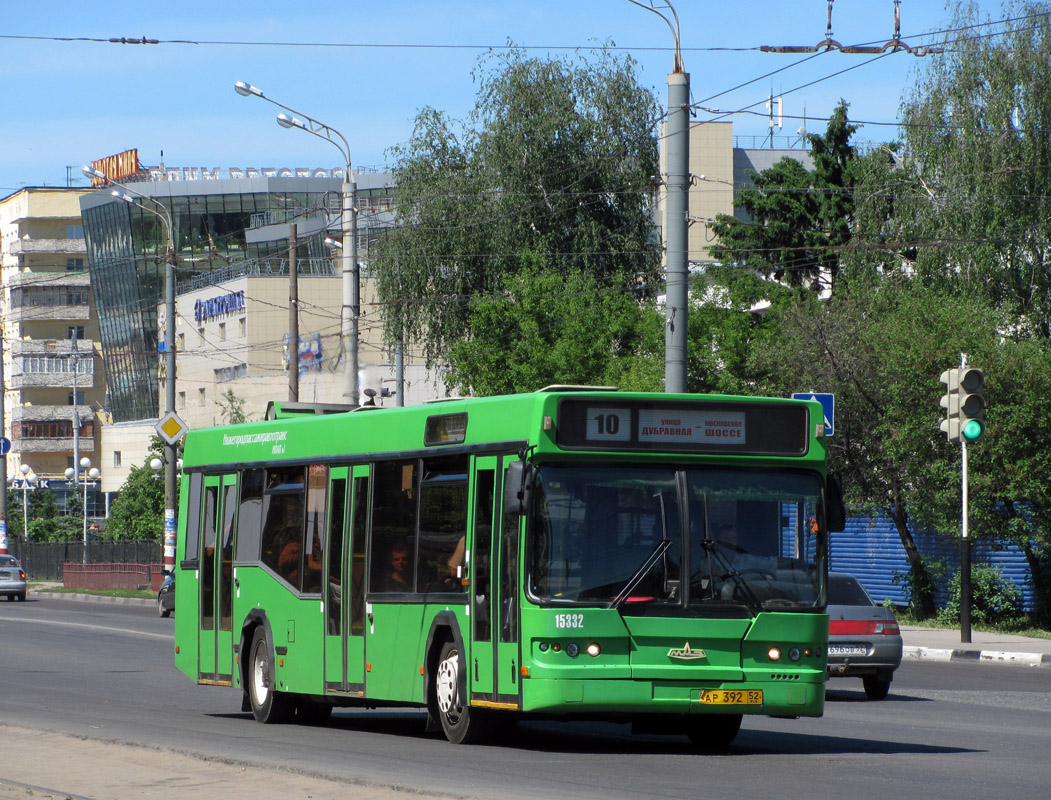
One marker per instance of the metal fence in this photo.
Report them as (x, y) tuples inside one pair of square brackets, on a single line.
[(43, 561)]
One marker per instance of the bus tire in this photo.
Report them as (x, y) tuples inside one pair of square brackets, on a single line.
[(461, 724), (269, 706), (713, 732)]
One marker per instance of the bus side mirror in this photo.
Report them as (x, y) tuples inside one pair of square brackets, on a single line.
[(516, 488), (835, 511)]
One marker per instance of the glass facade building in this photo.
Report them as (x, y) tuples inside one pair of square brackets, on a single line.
[(212, 223)]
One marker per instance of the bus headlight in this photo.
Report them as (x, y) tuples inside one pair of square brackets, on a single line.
[(774, 653), (594, 650)]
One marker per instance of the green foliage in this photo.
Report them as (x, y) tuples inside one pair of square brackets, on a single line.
[(995, 600), (545, 328), (551, 175), (232, 408), (798, 218), (919, 584), (138, 512)]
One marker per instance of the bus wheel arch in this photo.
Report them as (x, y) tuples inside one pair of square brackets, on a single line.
[(445, 685), (268, 705)]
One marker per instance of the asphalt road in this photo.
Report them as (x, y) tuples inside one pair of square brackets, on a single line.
[(104, 673)]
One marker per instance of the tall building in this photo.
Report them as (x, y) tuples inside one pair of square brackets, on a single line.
[(230, 229), (53, 387)]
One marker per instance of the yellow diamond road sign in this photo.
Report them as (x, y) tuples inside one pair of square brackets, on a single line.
[(171, 428)]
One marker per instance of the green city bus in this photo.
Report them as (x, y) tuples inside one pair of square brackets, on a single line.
[(577, 552)]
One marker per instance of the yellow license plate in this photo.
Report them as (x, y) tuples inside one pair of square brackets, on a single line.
[(732, 697)]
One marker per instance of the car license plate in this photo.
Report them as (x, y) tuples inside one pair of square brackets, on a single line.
[(847, 650), (732, 697)]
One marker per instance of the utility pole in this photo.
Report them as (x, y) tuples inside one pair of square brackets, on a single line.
[(677, 220), (293, 312), (3, 456)]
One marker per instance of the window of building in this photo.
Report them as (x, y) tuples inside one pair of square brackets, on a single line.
[(74, 231), (80, 398), (222, 331), (75, 332), (200, 337), (182, 399), (231, 373), (242, 327), (74, 265), (180, 341), (116, 458), (201, 397)]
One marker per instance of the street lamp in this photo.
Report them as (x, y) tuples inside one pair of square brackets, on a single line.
[(28, 477), (348, 226), (161, 212), (90, 474)]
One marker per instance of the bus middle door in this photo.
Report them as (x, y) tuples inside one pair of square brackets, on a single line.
[(216, 585)]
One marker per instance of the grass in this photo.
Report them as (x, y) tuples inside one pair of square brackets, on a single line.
[(142, 594), (1017, 627)]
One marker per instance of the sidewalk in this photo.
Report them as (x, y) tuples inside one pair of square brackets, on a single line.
[(943, 644)]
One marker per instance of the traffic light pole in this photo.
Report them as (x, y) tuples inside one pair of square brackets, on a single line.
[(965, 554)]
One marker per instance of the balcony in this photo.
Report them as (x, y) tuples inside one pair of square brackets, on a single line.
[(49, 296), (26, 247), (36, 420)]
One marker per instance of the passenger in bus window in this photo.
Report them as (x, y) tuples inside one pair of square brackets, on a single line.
[(398, 577)]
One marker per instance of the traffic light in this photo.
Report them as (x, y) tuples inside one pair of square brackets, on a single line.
[(951, 403), (964, 404), (972, 404)]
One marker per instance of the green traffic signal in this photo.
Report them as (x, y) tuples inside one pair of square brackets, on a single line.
[(972, 430)]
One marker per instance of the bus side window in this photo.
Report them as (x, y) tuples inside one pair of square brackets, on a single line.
[(392, 553), (282, 539), (250, 515)]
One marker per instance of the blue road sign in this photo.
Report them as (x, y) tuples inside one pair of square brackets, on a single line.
[(828, 403), (5, 445)]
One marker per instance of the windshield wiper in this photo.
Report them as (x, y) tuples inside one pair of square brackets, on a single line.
[(650, 562), (712, 549)]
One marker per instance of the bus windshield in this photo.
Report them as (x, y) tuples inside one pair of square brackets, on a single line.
[(632, 536)]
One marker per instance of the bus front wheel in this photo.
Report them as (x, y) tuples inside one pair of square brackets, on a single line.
[(268, 705), (460, 723)]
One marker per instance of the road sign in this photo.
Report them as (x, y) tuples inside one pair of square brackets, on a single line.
[(828, 403), (5, 445), (171, 428)]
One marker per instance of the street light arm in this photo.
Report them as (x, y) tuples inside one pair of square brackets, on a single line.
[(672, 23), (164, 217), (311, 125)]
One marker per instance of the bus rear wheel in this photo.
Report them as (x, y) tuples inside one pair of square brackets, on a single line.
[(269, 706), (710, 732), (460, 723)]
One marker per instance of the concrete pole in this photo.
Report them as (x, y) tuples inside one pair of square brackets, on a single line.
[(3, 457), (351, 286), (676, 229), (170, 451), (293, 312), (399, 373)]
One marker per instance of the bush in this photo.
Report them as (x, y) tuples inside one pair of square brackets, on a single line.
[(994, 599)]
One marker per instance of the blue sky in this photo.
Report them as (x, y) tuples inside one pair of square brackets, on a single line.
[(68, 102)]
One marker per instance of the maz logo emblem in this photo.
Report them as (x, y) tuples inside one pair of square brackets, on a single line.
[(687, 653)]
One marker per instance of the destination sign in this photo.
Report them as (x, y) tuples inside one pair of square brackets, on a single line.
[(717, 426)]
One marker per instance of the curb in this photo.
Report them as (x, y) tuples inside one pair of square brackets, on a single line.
[(96, 598), (978, 656)]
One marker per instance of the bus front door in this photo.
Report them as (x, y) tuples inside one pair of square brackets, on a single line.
[(345, 587), (508, 686), (215, 643)]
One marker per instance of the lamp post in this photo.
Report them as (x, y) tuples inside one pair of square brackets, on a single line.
[(28, 477), (348, 227), (90, 474), (165, 216)]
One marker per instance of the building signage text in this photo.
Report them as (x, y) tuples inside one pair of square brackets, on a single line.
[(217, 173), (117, 167), (218, 306)]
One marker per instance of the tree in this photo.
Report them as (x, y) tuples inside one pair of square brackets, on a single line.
[(879, 345), (979, 122), (797, 219), (138, 512), (552, 174), (545, 328), (232, 408)]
